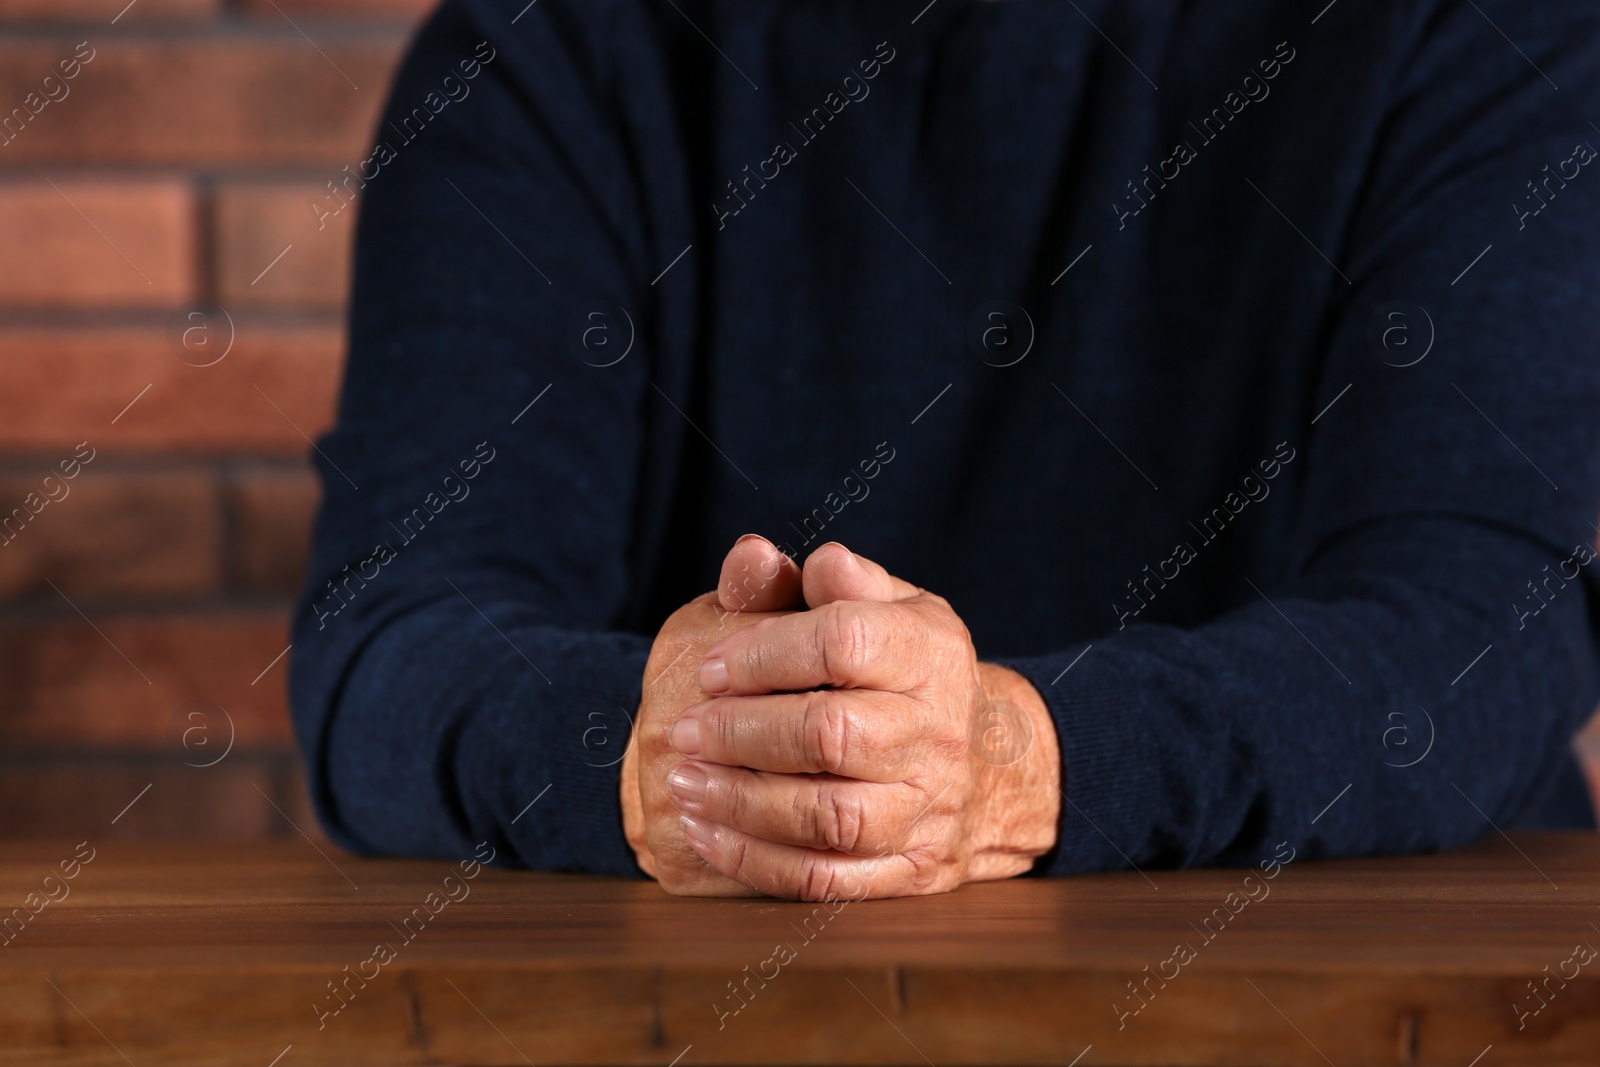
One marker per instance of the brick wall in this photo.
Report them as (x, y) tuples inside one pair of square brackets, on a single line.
[(144, 602), (156, 159)]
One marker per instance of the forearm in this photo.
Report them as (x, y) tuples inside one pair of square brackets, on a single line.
[(441, 731), (1209, 746)]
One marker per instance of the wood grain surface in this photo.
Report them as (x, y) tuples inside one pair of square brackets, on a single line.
[(185, 954)]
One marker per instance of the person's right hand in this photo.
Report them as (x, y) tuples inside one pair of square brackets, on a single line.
[(755, 575)]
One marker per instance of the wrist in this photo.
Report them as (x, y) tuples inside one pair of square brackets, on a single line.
[(1018, 758)]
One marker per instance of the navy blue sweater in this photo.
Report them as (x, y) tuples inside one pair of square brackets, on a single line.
[(1234, 371)]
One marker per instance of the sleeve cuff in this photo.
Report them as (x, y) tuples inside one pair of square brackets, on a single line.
[(546, 764), (1110, 762)]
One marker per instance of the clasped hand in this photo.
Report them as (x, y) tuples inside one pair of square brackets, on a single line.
[(829, 732)]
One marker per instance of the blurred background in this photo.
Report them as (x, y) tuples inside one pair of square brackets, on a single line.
[(171, 311), (144, 603)]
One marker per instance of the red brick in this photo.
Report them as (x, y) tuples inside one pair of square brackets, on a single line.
[(410, 10), (65, 385), (270, 511), (255, 224), (103, 11), (200, 98), (110, 533), (74, 798), (96, 244), (162, 683)]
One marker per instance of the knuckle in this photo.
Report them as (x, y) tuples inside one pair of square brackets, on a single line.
[(927, 868), (756, 656), (735, 852), (846, 639), (816, 879), (839, 818), (751, 653), (718, 731), (824, 743), (733, 800), (940, 624)]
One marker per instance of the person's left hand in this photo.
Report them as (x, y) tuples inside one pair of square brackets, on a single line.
[(862, 743)]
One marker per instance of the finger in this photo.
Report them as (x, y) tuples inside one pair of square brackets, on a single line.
[(808, 810), (861, 643), (812, 874), (758, 576), (676, 865), (833, 572), (857, 733)]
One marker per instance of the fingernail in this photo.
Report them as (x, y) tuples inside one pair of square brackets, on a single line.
[(698, 833), (685, 736), (714, 675), (747, 537), (688, 783)]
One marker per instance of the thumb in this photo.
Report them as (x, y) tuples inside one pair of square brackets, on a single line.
[(758, 576), (832, 573)]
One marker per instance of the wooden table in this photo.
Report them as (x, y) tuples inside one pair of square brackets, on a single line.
[(205, 953)]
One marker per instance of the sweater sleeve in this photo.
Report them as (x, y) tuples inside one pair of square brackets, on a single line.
[(460, 673), (1414, 677)]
